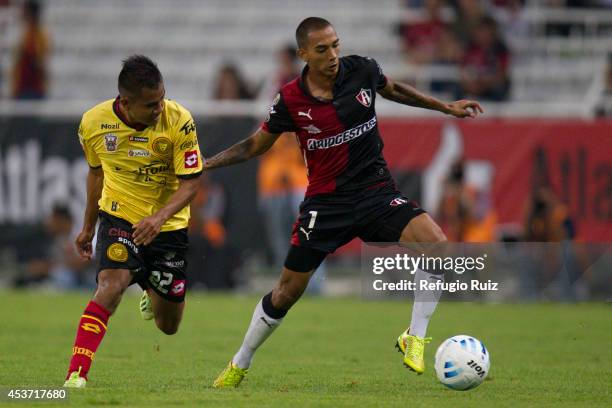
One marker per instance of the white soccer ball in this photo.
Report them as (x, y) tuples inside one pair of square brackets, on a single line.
[(462, 362)]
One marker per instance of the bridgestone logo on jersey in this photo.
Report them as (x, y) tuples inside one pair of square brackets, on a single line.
[(344, 137)]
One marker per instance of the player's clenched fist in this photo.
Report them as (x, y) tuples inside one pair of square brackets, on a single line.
[(83, 244)]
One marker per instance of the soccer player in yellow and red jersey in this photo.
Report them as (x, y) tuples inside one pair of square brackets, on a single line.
[(144, 161)]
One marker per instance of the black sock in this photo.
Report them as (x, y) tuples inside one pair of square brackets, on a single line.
[(268, 307)]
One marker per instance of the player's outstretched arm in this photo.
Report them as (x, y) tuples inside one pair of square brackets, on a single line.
[(95, 180), (408, 95), (255, 145)]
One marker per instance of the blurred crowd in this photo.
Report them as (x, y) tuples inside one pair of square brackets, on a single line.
[(467, 35), (466, 213), (50, 259), (29, 72), (464, 47)]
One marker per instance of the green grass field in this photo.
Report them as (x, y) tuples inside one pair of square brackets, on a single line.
[(328, 352)]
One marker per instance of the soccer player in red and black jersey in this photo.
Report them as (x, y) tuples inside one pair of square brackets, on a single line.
[(351, 192)]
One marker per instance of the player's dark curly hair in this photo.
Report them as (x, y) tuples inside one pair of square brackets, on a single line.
[(138, 72), (307, 26)]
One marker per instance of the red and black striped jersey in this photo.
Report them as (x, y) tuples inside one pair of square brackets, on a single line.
[(339, 138)]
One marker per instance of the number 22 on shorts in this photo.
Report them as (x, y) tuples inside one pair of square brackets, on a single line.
[(161, 284)]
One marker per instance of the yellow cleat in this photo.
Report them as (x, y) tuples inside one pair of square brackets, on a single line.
[(75, 380), (146, 306), (231, 376), (413, 349)]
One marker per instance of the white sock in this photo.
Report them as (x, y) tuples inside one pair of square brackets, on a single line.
[(259, 330), (425, 302)]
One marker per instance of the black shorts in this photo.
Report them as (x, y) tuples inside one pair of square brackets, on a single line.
[(328, 221), (161, 265)]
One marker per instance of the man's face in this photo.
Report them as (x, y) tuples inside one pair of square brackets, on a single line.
[(322, 52), (146, 107)]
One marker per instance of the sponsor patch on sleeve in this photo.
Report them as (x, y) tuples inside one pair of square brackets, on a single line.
[(191, 159)]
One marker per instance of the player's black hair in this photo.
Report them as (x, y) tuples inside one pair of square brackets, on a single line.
[(307, 26), (139, 72)]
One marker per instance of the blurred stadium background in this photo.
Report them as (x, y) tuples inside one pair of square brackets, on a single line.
[(536, 167)]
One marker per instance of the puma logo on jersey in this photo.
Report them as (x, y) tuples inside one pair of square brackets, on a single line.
[(307, 233), (307, 114)]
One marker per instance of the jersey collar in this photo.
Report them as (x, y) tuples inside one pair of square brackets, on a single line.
[(136, 126), (337, 82)]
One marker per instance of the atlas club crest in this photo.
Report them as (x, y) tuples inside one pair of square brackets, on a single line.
[(365, 97)]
